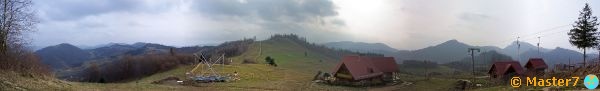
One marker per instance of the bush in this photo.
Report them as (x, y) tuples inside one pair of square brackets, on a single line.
[(270, 61), (23, 61)]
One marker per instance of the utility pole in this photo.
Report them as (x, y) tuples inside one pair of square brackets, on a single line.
[(426, 70), (569, 67), (538, 45), (518, 49), (472, 50)]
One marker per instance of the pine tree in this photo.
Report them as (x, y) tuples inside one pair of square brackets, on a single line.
[(584, 35)]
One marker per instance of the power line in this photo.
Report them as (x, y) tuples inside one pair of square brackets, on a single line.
[(547, 34), (547, 30), (553, 30)]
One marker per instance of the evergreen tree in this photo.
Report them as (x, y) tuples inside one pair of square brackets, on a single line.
[(584, 35)]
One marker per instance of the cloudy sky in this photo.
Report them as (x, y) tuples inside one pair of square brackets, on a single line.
[(401, 24)]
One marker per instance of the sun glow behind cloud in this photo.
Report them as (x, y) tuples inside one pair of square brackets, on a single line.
[(414, 24), (369, 20)]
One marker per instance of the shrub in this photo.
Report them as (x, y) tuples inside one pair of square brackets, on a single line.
[(270, 61), (23, 61)]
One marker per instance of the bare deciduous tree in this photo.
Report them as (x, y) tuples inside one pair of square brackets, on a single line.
[(17, 17)]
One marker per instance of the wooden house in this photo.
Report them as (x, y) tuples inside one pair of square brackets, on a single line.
[(536, 67), (365, 70), (504, 70)]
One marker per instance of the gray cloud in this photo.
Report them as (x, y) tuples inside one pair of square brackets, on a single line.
[(76, 9), (403, 24), (181, 22), (264, 17), (269, 10)]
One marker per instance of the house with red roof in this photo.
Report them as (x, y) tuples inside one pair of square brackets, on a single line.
[(536, 67), (504, 70), (387, 65), (365, 69)]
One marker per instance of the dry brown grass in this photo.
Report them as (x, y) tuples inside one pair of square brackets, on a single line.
[(10, 80)]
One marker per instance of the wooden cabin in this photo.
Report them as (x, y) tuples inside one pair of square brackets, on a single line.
[(536, 67), (361, 70), (504, 70), (387, 65)]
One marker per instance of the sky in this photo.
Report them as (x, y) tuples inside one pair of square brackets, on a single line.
[(401, 24)]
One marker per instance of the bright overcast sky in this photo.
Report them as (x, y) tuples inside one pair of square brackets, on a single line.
[(402, 24)]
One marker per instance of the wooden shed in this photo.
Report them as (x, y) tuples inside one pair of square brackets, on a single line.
[(536, 67), (504, 70), (365, 69)]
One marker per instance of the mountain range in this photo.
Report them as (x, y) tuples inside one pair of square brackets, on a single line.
[(361, 47), (484, 61), (453, 50), (65, 55)]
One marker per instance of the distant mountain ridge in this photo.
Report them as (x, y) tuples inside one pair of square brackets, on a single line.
[(512, 49), (362, 47), (66, 55), (63, 55), (111, 50), (449, 51), (454, 50)]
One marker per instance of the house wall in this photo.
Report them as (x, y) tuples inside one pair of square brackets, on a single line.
[(388, 76), (503, 78), (536, 73)]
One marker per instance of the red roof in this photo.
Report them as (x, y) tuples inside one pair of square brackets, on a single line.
[(503, 67), (362, 67), (385, 64), (536, 63)]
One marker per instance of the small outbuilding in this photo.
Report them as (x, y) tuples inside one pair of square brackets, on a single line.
[(536, 67), (361, 70), (504, 70)]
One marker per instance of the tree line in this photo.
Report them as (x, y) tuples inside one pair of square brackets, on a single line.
[(134, 67)]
